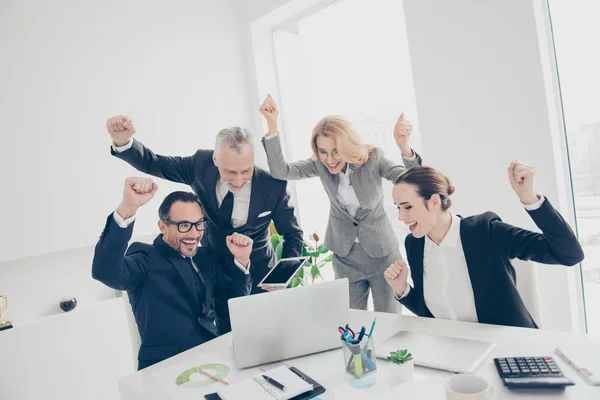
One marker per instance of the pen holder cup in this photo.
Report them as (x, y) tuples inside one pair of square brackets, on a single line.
[(359, 359)]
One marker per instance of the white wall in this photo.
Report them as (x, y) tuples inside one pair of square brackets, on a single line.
[(176, 68), (479, 83), (66, 66)]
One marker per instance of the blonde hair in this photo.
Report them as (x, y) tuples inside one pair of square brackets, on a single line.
[(348, 142)]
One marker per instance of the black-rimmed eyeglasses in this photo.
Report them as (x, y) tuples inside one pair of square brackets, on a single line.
[(186, 226)]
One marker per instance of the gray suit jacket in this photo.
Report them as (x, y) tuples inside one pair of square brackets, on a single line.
[(370, 225)]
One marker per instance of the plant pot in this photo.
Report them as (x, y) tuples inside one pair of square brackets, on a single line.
[(403, 372)]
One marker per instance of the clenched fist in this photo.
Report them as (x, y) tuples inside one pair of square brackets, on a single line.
[(396, 276), (240, 246), (137, 192), (121, 129), (269, 110), (402, 132), (522, 180)]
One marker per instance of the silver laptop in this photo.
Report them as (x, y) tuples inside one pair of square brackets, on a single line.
[(439, 352), (288, 323)]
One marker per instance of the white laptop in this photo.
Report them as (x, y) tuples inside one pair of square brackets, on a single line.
[(288, 323), (439, 352)]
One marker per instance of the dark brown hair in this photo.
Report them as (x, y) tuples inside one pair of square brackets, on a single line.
[(428, 181)]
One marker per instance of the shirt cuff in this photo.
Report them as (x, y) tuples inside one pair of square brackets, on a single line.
[(123, 223), (536, 205), (414, 156), (240, 266), (406, 292), (123, 148), (269, 137)]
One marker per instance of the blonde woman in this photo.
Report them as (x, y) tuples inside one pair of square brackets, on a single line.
[(358, 231)]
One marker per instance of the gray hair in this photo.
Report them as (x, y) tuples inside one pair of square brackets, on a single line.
[(235, 137)]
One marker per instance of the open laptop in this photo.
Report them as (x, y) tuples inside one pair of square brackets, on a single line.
[(439, 352), (288, 323)]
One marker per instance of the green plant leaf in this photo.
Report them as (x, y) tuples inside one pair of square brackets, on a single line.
[(305, 251), (276, 239), (314, 271), (322, 249), (300, 273), (296, 281), (315, 254), (328, 259), (279, 250)]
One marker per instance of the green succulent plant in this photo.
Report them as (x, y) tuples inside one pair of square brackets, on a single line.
[(400, 356)]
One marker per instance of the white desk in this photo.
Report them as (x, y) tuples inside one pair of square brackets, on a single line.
[(327, 368)]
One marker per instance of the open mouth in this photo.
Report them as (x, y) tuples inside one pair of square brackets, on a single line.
[(334, 165), (412, 226), (190, 242)]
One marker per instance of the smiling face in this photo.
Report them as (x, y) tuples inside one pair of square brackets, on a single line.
[(328, 154), (184, 243), (420, 215), (235, 167)]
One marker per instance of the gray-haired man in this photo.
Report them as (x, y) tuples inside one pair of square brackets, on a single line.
[(237, 197)]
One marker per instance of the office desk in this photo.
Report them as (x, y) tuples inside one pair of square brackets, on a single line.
[(327, 367)]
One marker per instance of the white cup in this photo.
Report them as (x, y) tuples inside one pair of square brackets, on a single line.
[(468, 387)]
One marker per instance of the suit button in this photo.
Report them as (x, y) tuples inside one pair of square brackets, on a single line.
[(356, 224)]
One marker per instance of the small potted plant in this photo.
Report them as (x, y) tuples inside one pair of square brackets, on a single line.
[(403, 364)]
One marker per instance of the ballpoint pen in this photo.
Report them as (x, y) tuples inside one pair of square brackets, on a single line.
[(274, 383)]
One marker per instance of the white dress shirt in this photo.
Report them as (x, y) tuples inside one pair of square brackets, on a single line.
[(447, 288), (241, 202), (124, 223), (241, 199)]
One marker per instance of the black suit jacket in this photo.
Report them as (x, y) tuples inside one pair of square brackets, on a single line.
[(268, 194), (489, 244), (159, 282)]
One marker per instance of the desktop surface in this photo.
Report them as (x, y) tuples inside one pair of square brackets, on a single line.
[(327, 369)]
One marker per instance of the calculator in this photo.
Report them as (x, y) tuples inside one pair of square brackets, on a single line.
[(531, 373)]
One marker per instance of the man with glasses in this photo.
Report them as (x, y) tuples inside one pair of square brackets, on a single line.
[(170, 282), (236, 195)]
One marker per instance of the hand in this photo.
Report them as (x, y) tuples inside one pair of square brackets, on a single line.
[(269, 110), (137, 192), (402, 132), (240, 246), (270, 288), (120, 129), (522, 180), (396, 276)]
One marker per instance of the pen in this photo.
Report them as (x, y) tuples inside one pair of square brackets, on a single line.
[(372, 327), (274, 383)]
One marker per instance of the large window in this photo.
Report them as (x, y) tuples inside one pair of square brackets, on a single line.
[(576, 31)]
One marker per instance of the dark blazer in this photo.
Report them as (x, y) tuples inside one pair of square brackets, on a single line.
[(489, 244), (159, 283), (268, 194)]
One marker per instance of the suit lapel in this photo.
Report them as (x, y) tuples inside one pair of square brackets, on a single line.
[(257, 196), (212, 177), (180, 265), (477, 273), (417, 248)]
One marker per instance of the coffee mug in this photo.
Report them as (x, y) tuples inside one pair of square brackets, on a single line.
[(468, 387)]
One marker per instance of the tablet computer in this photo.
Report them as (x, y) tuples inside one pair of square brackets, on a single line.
[(283, 272)]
